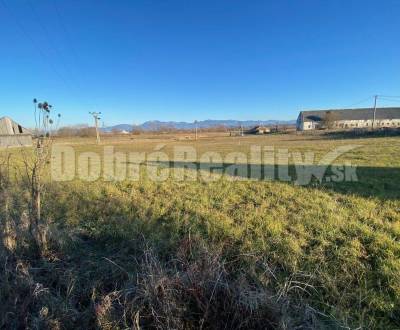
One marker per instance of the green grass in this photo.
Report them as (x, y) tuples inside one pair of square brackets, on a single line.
[(330, 251)]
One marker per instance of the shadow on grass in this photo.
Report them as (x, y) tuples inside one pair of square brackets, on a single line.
[(360, 134), (348, 134), (106, 282), (379, 182)]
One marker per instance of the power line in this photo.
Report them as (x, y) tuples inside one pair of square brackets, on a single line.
[(67, 34), (381, 97), (71, 47), (71, 87), (389, 100), (359, 102), (393, 100), (28, 36), (389, 96), (52, 44)]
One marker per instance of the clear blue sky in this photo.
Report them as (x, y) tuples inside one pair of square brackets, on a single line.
[(185, 60)]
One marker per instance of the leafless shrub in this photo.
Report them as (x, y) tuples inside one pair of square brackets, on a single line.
[(7, 231), (35, 162), (194, 290), (76, 131)]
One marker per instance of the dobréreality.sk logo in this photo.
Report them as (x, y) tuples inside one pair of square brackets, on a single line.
[(186, 164)]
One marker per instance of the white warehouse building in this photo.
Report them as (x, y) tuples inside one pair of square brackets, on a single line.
[(349, 118)]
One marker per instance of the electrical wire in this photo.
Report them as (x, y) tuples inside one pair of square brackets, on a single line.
[(389, 96), (72, 87), (44, 56), (359, 102), (73, 81), (72, 48), (388, 100)]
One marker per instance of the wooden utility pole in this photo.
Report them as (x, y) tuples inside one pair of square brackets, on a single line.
[(375, 101), (96, 124)]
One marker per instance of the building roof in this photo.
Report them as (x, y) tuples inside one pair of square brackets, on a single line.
[(352, 114), (10, 127)]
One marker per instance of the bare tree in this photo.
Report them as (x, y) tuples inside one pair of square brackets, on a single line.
[(329, 120)]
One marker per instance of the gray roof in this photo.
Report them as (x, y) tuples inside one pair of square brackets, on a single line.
[(352, 114)]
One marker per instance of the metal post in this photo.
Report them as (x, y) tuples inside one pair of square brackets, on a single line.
[(96, 123), (375, 101)]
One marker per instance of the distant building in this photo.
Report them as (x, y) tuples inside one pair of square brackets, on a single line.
[(258, 130), (13, 135), (348, 118)]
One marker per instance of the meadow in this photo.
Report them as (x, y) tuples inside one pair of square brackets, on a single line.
[(232, 253)]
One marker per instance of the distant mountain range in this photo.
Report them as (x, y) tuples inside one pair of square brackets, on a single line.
[(155, 125)]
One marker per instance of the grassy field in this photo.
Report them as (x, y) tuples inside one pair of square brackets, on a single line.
[(224, 254)]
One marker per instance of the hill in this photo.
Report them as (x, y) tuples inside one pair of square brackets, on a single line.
[(155, 125)]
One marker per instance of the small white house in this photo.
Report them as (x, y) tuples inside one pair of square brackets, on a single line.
[(13, 135), (259, 130), (349, 118)]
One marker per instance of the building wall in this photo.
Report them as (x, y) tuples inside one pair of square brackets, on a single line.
[(367, 123), (9, 127), (310, 125), (6, 126), (263, 131), (20, 140)]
